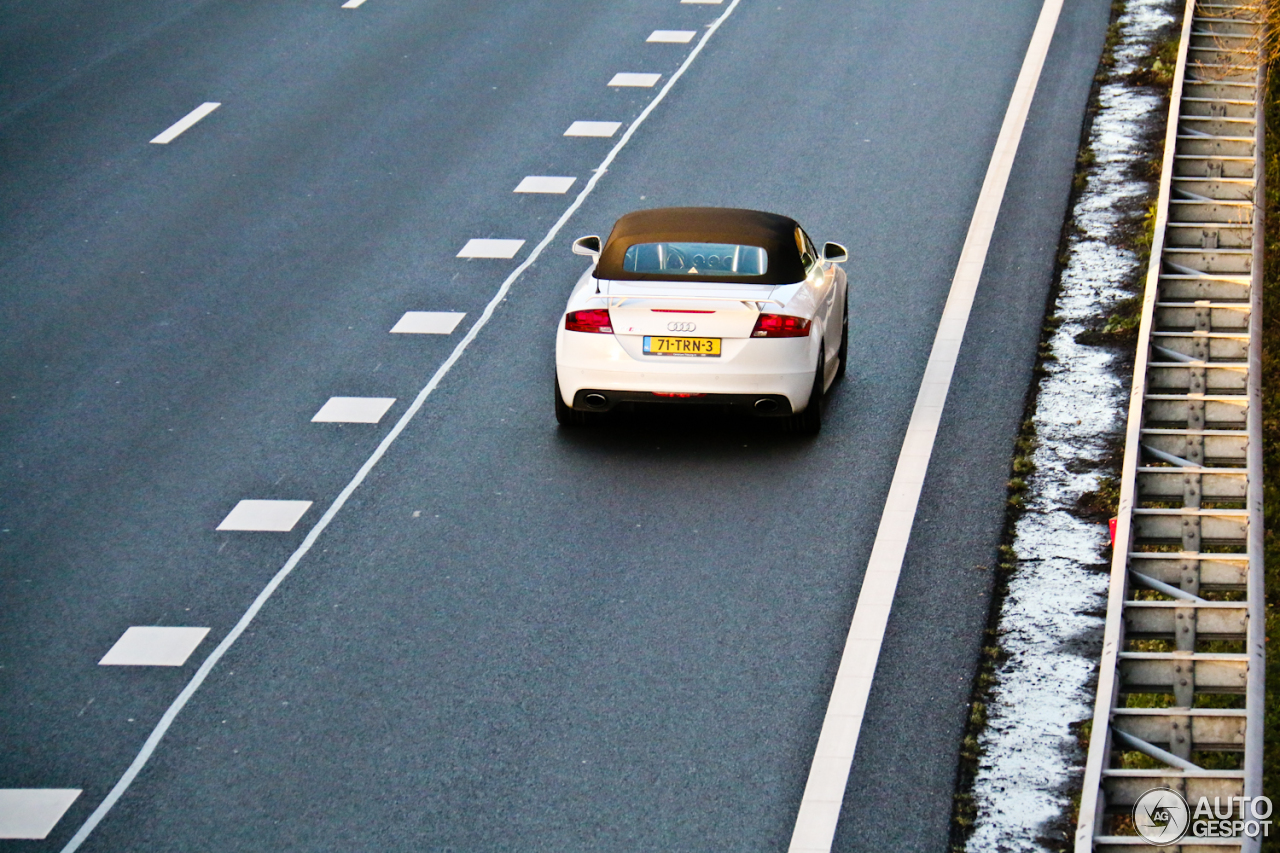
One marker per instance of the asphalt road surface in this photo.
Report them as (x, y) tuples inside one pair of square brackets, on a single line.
[(511, 637)]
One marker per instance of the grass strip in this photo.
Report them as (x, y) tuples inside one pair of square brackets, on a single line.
[(1271, 415)]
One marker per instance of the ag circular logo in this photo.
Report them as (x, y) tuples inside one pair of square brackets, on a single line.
[(676, 326), (1161, 816)]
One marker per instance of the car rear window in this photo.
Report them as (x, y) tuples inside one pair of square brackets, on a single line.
[(696, 259)]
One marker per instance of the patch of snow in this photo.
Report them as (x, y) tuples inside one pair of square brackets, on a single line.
[(1046, 624)]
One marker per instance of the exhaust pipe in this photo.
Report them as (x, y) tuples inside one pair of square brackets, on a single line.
[(766, 406), (596, 401)]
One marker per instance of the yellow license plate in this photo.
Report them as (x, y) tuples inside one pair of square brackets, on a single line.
[(681, 346)]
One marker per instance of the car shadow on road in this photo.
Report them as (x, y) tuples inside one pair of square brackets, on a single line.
[(703, 430)]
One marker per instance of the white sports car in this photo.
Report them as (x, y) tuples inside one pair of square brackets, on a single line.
[(704, 305)]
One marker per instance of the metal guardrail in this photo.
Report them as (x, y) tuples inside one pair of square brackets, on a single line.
[(1185, 616)]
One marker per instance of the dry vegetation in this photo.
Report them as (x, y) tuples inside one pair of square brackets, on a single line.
[(1270, 9)]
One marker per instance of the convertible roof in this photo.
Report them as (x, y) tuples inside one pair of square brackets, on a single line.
[(773, 233)]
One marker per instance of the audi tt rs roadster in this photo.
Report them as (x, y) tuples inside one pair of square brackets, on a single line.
[(704, 305)]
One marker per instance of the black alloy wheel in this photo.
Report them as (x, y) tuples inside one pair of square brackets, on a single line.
[(567, 416), (844, 340), (809, 422)]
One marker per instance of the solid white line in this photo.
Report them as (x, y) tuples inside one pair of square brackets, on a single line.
[(175, 708), (185, 122), (815, 826)]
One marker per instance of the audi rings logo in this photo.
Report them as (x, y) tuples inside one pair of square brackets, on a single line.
[(681, 327), (1161, 816)]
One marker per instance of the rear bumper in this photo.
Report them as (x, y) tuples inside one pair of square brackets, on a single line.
[(778, 370), (604, 400)]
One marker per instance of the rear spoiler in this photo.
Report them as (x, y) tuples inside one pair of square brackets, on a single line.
[(617, 301)]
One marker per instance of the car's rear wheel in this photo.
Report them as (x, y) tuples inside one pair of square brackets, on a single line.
[(844, 340), (809, 422), (567, 416)]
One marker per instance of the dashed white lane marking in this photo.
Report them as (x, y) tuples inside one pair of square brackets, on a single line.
[(428, 322), (271, 516), (485, 248), (627, 78), (151, 645), (545, 184), (353, 410), (356, 4), (824, 792), (593, 128), (318, 529), (671, 36), (32, 813), (181, 125)]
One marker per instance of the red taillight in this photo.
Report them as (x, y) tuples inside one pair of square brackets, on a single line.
[(780, 326), (591, 320), (679, 394)]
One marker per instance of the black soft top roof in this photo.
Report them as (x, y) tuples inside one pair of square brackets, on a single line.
[(771, 232)]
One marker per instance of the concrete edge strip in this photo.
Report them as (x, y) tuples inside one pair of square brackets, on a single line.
[(820, 805), (167, 719)]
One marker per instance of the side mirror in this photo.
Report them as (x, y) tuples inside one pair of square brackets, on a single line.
[(835, 253), (589, 246)]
